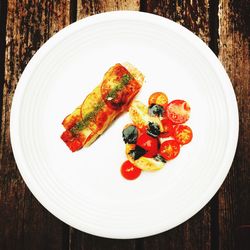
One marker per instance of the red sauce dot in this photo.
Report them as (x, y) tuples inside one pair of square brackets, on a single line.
[(130, 171)]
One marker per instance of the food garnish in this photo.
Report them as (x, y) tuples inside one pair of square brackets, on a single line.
[(157, 133), (106, 102)]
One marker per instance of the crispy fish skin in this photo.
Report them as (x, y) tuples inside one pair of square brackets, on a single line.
[(106, 102)]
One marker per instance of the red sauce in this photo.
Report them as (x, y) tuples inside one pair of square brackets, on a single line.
[(130, 171)]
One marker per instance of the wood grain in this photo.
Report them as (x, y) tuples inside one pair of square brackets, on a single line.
[(79, 240), (193, 15), (224, 223), (3, 16), (90, 7), (196, 233), (234, 199), (84, 241), (25, 224)]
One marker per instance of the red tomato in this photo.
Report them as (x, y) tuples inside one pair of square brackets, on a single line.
[(169, 149), (158, 98), (149, 143), (66, 136), (101, 119), (130, 171), (168, 128), (178, 111), (74, 144), (183, 134)]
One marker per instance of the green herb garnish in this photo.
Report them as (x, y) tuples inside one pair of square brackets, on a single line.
[(91, 115), (87, 118), (124, 81)]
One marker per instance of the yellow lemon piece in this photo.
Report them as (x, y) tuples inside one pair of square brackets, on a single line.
[(139, 115)]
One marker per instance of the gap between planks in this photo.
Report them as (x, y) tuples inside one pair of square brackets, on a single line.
[(3, 18), (214, 46)]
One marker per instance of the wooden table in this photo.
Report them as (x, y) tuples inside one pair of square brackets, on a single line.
[(224, 223)]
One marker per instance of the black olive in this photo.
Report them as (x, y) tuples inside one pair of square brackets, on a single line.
[(160, 158), (137, 152), (130, 134), (153, 129), (155, 110)]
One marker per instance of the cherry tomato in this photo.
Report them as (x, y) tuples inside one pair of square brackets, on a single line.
[(130, 171), (183, 134), (158, 98), (168, 128), (178, 111), (149, 143), (169, 149)]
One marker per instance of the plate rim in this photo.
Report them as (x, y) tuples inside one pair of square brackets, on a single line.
[(107, 16)]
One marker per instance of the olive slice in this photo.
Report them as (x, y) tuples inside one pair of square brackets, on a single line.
[(153, 129), (137, 152), (160, 158), (130, 134), (155, 110)]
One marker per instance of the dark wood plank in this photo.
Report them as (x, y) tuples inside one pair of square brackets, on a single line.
[(24, 223), (3, 17), (193, 15), (193, 234), (90, 7), (234, 199), (181, 237), (79, 240), (84, 241), (196, 233)]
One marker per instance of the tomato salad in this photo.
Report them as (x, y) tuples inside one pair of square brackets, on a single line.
[(156, 134)]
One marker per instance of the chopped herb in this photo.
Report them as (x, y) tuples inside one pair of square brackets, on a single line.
[(124, 81), (87, 118), (112, 94)]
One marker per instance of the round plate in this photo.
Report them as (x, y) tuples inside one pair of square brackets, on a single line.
[(85, 189)]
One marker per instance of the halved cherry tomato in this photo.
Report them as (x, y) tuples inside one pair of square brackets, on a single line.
[(149, 143), (158, 98), (169, 149), (168, 128), (183, 134), (130, 171), (178, 111)]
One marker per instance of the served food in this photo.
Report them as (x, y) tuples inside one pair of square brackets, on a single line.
[(107, 101), (155, 135)]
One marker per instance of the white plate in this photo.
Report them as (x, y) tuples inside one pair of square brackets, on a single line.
[(85, 189)]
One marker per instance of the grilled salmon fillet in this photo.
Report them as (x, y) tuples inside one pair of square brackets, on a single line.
[(107, 101)]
